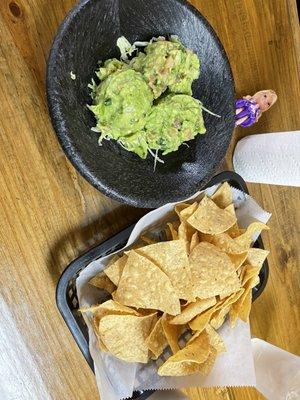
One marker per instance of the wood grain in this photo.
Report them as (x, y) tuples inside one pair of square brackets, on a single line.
[(49, 214)]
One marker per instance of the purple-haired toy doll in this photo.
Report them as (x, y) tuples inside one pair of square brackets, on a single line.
[(250, 108)]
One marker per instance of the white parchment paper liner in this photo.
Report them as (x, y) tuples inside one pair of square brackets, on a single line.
[(117, 379)]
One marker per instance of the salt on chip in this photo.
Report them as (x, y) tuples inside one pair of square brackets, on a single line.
[(209, 218), (172, 333), (257, 257), (171, 257), (125, 336), (115, 270), (187, 360), (185, 231), (157, 341), (234, 231), (144, 285), (223, 196), (192, 310), (213, 272), (101, 281)]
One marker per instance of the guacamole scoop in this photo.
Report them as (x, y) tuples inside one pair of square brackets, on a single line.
[(121, 103), (175, 119), (167, 65)]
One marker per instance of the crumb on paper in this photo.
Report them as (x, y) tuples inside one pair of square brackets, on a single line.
[(72, 75)]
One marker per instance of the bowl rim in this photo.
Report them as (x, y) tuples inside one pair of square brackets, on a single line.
[(76, 160)]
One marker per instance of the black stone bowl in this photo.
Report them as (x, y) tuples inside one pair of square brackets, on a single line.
[(89, 34)]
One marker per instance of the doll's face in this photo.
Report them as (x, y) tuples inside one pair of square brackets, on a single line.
[(265, 99)]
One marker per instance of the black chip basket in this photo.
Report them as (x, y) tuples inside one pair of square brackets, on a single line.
[(66, 296)]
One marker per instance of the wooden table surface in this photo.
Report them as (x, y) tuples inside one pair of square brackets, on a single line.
[(49, 214)]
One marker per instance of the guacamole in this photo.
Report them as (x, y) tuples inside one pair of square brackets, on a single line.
[(175, 119), (167, 65), (145, 103), (121, 103)]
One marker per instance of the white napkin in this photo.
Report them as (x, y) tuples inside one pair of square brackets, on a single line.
[(272, 158), (277, 371)]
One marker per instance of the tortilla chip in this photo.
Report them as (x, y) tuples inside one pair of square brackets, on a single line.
[(248, 272), (194, 241), (101, 281), (206, 367), (223, 196), (212, 271), (241, 308), (200, 322), (185, 232), (187, 360), (115, 270), (144, 285), (185, 210), (172, 333), (245, 240), (209, 218), (171, 257), (173, 231), (192, 310), (215, 340), (125, 336), (147, 240), (218, 318), (109, 307), (157, 340), (257, 257), (228, 244), (238, 259)]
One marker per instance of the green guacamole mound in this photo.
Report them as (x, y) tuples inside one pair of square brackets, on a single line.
[(167, 65), (174, 120), (121, 103), (145, 103)]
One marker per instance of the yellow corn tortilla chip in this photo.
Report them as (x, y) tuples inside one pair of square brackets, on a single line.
[(185, 232), (218, 318), (173, 231), (157, 340), (245, 240), (114, 271), (147, 240), (215, 340), (234, 231), (242, 307), (172, 332), (125, 336), (257, 257), (95, 324), (144, 285), (238, 259), (101, 281), (223, 196), (109, 307), (212, 271), (206, 367), (171, 257), (187, 360), (192, 310), (248, 272), (185, 210), (201, 321), (209, 218), (194, 241), (227, 244)]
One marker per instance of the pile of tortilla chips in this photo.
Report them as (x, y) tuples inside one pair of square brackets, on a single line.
[(204, 272)]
